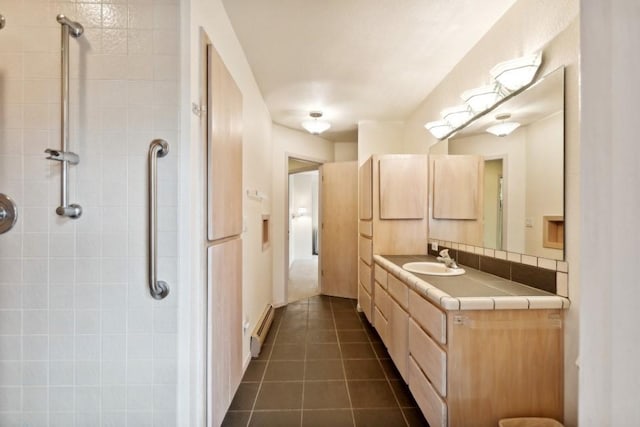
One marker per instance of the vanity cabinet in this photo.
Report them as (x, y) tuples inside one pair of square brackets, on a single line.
[(392, 212), (471, 367)]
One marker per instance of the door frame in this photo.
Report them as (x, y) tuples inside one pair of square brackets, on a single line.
[(320, 162), (505, 195)]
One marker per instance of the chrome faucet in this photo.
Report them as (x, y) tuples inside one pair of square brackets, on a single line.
[(446, 259)]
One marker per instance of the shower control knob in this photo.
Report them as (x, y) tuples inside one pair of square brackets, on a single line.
[(8, 213)]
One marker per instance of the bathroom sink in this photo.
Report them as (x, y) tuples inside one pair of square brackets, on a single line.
[(432, 269)]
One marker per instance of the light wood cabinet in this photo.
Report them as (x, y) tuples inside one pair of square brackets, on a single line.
[(403, 186), (364, 192), (224, 157), (399, 338), (475, 367)]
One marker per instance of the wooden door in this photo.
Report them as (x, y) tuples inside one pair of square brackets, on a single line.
[(339, 230), (224, 141)]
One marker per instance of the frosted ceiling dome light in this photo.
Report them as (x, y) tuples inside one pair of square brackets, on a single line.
[(482, 98), (438, 129), (315, 126), (503, 128), (457, 116), (517, 73)]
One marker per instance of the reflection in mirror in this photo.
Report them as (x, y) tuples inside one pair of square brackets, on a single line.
[(523, 183)]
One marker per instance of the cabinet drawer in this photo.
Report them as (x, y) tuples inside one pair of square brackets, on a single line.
[(365, 249), (381, 325), (382, 301), (364, 300), (428, 317), (431, 358), (398, 290), (364, 272), (381, 275), (366, 228), (432, 406), (398, 331)]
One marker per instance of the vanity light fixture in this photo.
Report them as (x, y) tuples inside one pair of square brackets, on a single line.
[(503, 128), (439, 128), (315, 126), (457, 115), (517, 73), (482, 98)]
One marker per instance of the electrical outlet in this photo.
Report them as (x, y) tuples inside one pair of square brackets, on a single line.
[(434, 246)]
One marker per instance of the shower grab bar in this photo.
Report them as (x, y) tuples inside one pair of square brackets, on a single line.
[(158, 288), (75, 30)]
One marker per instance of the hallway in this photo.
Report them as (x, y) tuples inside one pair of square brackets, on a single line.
[(303, 279), (322, 365)]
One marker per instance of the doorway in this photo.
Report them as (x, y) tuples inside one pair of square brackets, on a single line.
[(303, 243), (494, 203)]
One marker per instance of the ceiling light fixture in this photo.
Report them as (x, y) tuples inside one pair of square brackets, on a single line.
[(482, 98), (503, 128), (456, 116), (517, 73), (438, 129), (315, 126)]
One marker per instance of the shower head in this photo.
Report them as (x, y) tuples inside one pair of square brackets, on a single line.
[(75, 28), (3, 22)]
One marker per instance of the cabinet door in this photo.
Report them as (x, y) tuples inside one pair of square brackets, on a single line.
[(365, 190), (224, 144), (225, 324), (403, 187), (399, 338), (456, 187)]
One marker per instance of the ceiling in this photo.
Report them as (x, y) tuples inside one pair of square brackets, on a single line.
[(355, 59)]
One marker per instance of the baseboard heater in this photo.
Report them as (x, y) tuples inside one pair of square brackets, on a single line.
[(260, 332)]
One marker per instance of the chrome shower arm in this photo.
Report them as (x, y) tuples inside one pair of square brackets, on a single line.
[(76, 29)]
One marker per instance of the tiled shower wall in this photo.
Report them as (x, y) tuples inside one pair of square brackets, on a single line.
[(81, 341)]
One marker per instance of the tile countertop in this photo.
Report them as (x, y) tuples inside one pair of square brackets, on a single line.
[(474, 290)]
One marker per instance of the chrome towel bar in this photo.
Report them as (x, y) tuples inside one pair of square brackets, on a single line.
[(75, 30), (158, 288)]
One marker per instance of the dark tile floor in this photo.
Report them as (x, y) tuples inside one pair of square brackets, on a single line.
[(322, 365)]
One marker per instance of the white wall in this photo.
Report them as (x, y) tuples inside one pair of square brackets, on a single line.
[(528, 26), (301, 231), (81, 340), (544, 169), (288, 142), (210, 16), (345, 151), (378, 138), (610, 202)]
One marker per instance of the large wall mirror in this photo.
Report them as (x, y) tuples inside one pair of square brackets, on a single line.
[(523, 175)]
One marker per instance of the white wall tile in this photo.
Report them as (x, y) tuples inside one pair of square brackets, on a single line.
[(61, 297), (10, 348), (10, 297), (61, 347), (35, 296), (35, 373), (35, 322), (87, 322), (530, 260), (140, 371), (35, 347), (61, 399), (138, 397), (35, 399), (10, 322), (114, 348), (35, 270), (87, 372), (11, 373), (62, 373)]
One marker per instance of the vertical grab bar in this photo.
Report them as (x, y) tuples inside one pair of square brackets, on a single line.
[(158, 288), (75, 30)]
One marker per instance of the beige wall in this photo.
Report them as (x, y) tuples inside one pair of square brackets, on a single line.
[(528, 26), (345, 151), (210, 16), (288, 142), (378, 138)]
